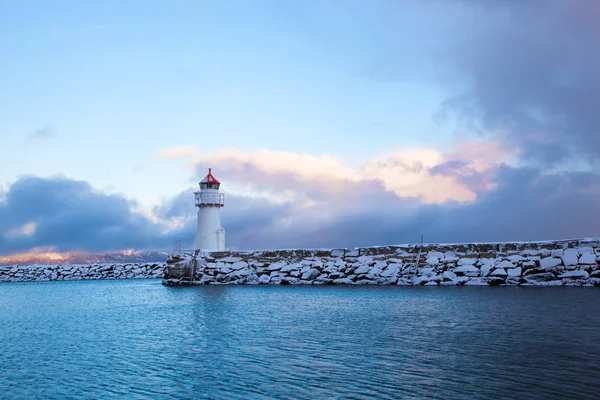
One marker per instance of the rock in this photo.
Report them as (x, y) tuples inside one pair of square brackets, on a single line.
[(569, 257), (515, 259), (449, 275), (352, 253), (575, 274), (337, 253), (467, 270), (432, 261), (467, 261), (486, 268), (587, 259), (494, 280), (290, 267), (505, 265), (390, 271), (230, 259), (515, 271), (276, 266), (289, 281), (264, 279), (238, 265), (499, 272), (310, 274), (476, 282), (343, 281), (549, 262), (435, 254), (336, 275)]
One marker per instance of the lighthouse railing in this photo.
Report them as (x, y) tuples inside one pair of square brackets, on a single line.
[(209, 199)]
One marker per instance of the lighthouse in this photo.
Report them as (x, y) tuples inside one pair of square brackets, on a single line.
[(210, 235)]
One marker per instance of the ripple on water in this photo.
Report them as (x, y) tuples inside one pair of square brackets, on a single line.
[(139, 339)]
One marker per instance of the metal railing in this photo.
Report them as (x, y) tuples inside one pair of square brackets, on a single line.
[(209, 199)]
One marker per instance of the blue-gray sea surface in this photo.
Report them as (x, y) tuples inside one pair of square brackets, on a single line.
[(141, 340)]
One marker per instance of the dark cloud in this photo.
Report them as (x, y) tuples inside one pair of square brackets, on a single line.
[(525, 205), (71, 215), (530, 74)]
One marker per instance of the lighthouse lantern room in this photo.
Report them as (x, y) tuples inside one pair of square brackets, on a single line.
[(210, 235)]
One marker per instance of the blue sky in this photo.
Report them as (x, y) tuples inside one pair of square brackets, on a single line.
[(121, 80), (428, 109)]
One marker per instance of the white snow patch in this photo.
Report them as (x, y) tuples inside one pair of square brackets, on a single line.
[(549, 262), (569, 257)]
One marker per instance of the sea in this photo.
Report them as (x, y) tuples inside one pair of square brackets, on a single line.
[(138, 339)]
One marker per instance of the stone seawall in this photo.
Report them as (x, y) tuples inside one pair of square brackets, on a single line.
[(551, 263), (71, 272)]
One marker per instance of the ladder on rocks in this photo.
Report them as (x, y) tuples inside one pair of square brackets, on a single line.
[(417, 260)]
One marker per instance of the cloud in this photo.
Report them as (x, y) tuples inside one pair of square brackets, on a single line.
[(65, 214), (60, 214), (178, 152), (529, 75), (43, 133), (407, 173)]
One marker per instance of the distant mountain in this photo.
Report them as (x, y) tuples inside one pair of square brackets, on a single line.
[(118, 257)]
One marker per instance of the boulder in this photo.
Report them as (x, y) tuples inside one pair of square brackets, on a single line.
[(467, 270), (467, 261), (449, 275), (587, 259), (549, 262), (570, 257), (310, 274), (576, 274)]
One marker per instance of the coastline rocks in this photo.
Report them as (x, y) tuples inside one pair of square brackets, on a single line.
[(38, 272), (553, 263)]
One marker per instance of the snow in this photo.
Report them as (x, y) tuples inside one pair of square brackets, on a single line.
[(449, 275), (569, 257), (467, 261), (587, 259), (505, 265), (515, 271), (466, 268), (575, 274), (549, 262)]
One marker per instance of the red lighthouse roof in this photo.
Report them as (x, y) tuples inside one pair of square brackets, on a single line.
[(209, 178)]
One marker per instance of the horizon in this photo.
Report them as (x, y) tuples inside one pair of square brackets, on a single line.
[(330, 125)]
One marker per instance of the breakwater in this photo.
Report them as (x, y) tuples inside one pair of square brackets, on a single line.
[(548, 263), (71, 272)]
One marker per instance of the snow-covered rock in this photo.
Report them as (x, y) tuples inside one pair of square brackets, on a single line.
[(575, 274), (467, 270), (570, 257), (587, 259), (549, 262)]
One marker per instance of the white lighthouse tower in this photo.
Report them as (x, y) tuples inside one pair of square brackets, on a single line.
[(210, 235)]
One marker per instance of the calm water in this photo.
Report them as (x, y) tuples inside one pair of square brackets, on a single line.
[(139, 339)]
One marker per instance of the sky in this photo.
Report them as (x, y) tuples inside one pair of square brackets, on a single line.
[(329, 123)]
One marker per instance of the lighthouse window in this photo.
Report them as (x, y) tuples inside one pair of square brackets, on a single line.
[(213, 185)]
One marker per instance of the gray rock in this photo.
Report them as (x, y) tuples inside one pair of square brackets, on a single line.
[(310, 274)]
